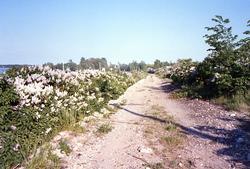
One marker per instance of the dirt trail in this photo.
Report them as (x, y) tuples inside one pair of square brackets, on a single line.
[(208, 144)]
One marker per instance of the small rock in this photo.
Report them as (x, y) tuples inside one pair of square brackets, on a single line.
[(233, 115), (180, 164), (145, 150)]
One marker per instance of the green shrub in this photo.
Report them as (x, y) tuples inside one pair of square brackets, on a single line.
[(64, 147), (224, 73), (104, 128), (38, 102)]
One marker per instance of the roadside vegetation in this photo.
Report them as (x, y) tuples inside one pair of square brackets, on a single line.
[(104, 128), (44, 159), (64, 147), (38, 102), (224, 75)]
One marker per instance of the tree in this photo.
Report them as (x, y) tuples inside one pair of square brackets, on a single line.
[(124, 67), (133, 66), (71, 65), (93, 63), (223, 72), (221, 38), (51, 65), (82, 63), (142, 66), (58, 66), (157, 64)]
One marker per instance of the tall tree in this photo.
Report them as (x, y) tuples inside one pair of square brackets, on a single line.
[(71, 65), (157, 64)]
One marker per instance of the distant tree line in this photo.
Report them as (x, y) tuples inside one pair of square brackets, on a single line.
[(91, 63), (101, 63), (142, 66)]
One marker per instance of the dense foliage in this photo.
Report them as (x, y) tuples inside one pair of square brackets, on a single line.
[(182, 71), (37, 102), (226, 70)]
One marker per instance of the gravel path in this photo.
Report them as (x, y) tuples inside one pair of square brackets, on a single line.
[(215, 138)]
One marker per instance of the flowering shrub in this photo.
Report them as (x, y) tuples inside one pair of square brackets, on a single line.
[(225, 72), (182, 70), (37, 102)]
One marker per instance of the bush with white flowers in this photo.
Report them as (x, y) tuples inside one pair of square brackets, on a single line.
[(182, 70), (37, 102)]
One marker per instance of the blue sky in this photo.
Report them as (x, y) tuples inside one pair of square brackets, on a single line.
[(34, 32)]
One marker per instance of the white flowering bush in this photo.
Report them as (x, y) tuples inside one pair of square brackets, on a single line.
[(164, 72), (182, 70), (37, 102)]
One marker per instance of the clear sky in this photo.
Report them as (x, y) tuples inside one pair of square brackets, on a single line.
[(34, 32)]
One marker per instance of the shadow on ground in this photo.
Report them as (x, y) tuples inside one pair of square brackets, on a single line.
[(167, 87), (236, 141)]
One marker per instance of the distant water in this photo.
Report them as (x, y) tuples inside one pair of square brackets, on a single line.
[(3, 70)]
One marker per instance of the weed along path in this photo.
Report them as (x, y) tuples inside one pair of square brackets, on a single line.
[(151, 130)]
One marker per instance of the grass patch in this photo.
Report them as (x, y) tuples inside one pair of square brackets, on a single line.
[(64, 147), (157, 110), (237, 102), (77, 128), (154, 166), (107, 115), (171, 127), (178, 94), (104, 128), (45, 159), (172, 141), (167, 134)]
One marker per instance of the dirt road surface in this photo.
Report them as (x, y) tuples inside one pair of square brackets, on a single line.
[(214, 138)]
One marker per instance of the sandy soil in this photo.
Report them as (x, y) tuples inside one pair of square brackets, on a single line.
[(215, 138)]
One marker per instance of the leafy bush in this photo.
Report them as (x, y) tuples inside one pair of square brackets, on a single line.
[(226, 70), (38, 102), (182, 71)]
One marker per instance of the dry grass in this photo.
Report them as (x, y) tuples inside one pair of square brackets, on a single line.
[(170, 127), (76, 128), (154, 166), (164, 138), (104, 128), (238, 102), (44, 159), (172, 141)]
